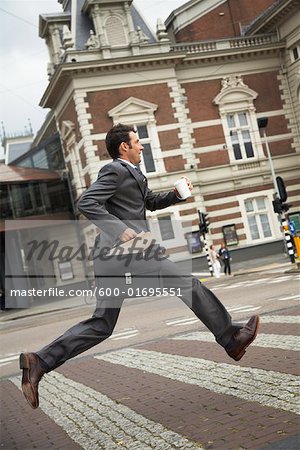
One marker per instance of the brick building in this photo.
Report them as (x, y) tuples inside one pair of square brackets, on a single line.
[(194, 90)]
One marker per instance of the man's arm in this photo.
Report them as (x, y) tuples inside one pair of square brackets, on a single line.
[(156, 201), (159, 201), (92, 202)]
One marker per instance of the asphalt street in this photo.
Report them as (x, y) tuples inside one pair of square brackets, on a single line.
[(161, 381)]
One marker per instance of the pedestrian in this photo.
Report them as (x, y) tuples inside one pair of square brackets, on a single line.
[(119, 198), (224, 255), (214, 257)]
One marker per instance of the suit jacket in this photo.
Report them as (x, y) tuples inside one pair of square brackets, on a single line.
[(118, 199)]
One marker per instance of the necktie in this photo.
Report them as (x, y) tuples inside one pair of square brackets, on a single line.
[(141, 173)]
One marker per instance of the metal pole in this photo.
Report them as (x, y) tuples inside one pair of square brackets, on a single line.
[(287, 242), (207, 256), (271, 163)]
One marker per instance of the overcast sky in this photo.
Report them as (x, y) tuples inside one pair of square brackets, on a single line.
[(24, 57)]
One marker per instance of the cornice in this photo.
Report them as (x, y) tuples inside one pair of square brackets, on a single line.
[(273, 16), (178, 57), (66, 71)]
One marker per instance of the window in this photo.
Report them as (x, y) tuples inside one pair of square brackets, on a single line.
[(147, 154), (237, 112), (141, 115), (295, 52), (257, 216), (239, 132), (166, 227)]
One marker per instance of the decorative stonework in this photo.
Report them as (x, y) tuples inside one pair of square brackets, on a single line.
[(92, 42), (161, 31), (133, 108), (68, 41), (67, 131), (232, 81), (234, 90), (181, 114)]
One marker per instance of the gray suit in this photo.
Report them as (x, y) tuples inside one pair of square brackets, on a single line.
[(116, 201)]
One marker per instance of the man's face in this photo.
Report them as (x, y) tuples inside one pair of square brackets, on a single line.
[(133, 150)]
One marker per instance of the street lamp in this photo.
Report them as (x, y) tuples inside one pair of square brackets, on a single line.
[(279, 187), (262, 125)]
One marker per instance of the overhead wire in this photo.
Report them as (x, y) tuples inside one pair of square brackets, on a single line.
[(18, 17)]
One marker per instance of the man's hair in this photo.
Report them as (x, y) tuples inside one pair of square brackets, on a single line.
[(116, 135)]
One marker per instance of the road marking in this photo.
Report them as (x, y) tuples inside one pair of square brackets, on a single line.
[(284, 342), (6, 359), (281, 279), (253, 308), (290, 297), (248, 283), (233, 286), (243, 308), (181, 322), (280, 319), (269, 388), (125, 334), (94, 421)]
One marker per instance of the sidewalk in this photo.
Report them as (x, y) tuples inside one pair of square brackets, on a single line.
[(274, 263)]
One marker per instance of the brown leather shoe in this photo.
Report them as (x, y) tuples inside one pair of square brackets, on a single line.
[(32, 373), (242, 339)]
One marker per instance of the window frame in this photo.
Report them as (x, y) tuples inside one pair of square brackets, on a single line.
[(296, 47), (239, 129), (137, 112), (149, 141), (236, 97), (161, 217), (268, 210)]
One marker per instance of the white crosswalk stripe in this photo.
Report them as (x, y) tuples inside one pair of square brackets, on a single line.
[(290, 297), (7, 359), (281, 279), (243, 308), (269, 388), (248, 283), (181, 322), (94, 421), (284, 342), (280, 319), (125, 334)]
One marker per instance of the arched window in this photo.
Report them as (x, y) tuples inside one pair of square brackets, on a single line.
[(141, 114), (115, 32), (237, 112)]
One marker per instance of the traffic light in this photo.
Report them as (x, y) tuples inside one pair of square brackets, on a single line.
[(203, 222), (280, 207), (281, 189)]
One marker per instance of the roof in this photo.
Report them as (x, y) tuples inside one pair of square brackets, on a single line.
[(16, 174), (15, 150), (268, 20)]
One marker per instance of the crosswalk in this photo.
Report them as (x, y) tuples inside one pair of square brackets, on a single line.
[(263, 340), (93, 418), (246, 383), (270, 280), (96, 422)]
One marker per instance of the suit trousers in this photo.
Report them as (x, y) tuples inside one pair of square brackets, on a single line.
[(100, 326)]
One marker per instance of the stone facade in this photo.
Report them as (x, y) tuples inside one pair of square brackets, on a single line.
[(198, 92)]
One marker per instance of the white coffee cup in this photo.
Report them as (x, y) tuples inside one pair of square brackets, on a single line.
[(182, 188)]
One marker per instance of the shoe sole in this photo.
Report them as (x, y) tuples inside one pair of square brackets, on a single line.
[(241, 354), (26, 385)]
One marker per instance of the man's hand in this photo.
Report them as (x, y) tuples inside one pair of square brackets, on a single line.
[(128, 234), (190, 186)]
